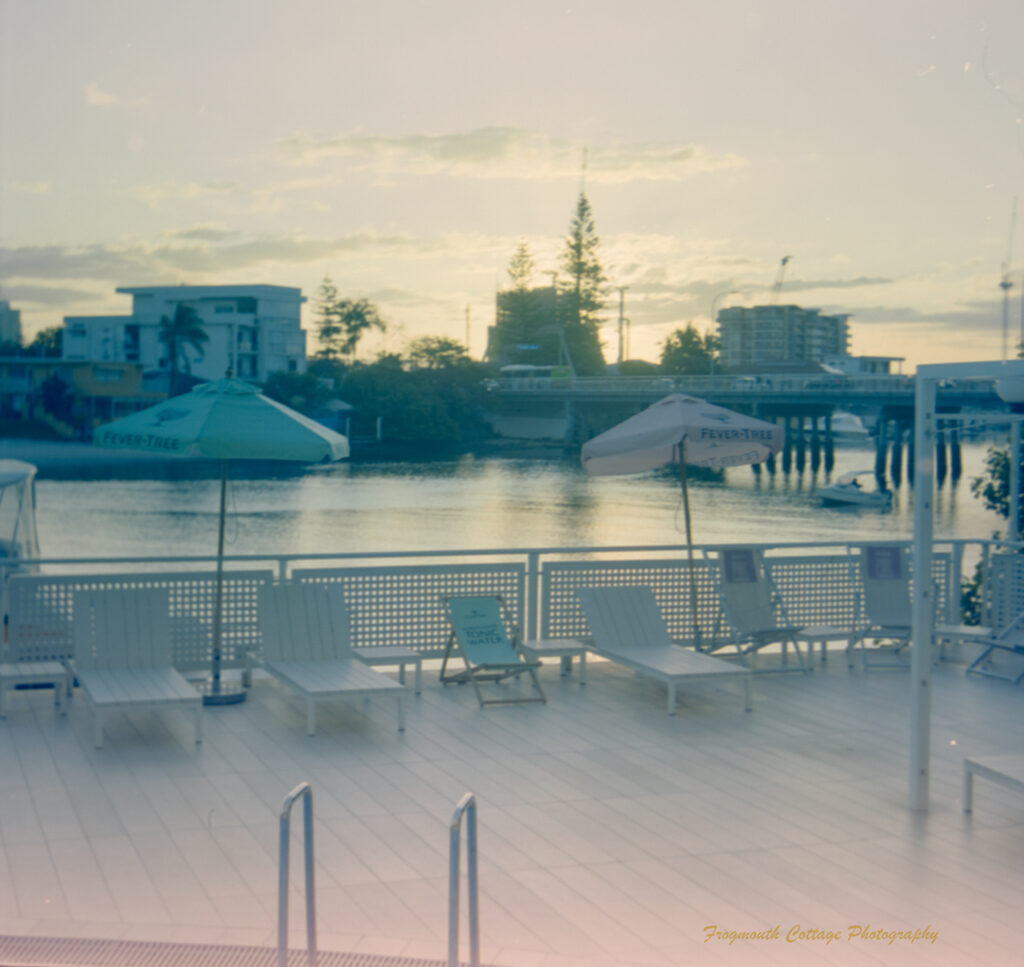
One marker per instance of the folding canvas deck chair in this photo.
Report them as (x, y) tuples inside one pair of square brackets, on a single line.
[(307, 648), (485, 638), (1011, 641), (757, 615), (884, 582), (1002, 625), (122, 660), (628, 629)]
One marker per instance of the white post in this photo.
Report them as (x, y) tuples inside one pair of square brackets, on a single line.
[(1014, 518), (922, 612)]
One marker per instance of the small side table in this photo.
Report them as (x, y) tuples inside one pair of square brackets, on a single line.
[(394, 655), (54, 673), (565, 648), (814, 634)]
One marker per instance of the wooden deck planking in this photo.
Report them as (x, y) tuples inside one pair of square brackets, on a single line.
[(609, 832)]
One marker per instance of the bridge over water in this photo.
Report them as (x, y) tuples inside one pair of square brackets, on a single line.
[(574, 409)]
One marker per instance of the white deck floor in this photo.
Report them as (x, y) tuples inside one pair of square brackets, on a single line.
[(610, 832)]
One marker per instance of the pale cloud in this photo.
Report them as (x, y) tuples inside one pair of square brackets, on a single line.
[(30, 187), (155, 195), (204, 233), (815, 285), (48, 295), (508, 152), (134, 262), (95, 96)]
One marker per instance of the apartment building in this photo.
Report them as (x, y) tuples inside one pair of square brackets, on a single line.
[(252, 330), (772, 336)]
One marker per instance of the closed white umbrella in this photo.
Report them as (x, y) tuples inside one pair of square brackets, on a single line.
[(682, 430), (225, 419)]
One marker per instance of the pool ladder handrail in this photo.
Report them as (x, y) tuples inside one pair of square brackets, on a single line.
[(467, 808), (305, 790)]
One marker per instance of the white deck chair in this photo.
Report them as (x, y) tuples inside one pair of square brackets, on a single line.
[(122, 657), (307, 648), (628, 628), (885, 606), (757, 615), (486, 639)]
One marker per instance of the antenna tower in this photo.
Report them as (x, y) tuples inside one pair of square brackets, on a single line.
[(1006, 282), (777, 288)]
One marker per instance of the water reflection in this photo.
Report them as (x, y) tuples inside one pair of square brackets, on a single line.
[(465, 502)]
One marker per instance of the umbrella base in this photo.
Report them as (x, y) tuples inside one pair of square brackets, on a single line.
[(220, 693)]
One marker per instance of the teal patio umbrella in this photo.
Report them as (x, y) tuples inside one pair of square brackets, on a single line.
[(225, 419)]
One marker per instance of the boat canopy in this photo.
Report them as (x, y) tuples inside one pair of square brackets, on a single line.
[(18, 539), (851, 476)]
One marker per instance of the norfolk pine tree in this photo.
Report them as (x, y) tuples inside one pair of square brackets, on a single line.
[(584, 298)]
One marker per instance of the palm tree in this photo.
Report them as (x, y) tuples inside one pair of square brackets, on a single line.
[(185, 328)]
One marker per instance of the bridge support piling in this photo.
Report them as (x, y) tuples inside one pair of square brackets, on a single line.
[(801, 445), (956, 466), (830, 452), (881, 443), (787, 446), (815, 446), (896, 457), (940, 453)]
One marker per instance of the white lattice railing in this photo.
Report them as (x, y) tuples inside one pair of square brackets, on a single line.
[(395, 598), (814, 589), (405, 605), (42, 610)]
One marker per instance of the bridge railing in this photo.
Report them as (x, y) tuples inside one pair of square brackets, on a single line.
[(818, 383)]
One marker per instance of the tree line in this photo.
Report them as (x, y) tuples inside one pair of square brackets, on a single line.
[(432, 391)]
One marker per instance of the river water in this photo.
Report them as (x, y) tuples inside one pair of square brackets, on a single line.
[(481, 502)]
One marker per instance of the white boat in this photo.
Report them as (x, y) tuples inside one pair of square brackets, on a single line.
[(847, 491), (18, 540), (848, 430)]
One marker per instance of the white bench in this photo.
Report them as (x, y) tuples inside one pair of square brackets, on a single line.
[(1004, 770), (123, 655)]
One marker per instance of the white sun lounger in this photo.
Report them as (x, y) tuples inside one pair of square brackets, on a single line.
[(122, 658), (1004, 770), (307, 648), (628, 629)]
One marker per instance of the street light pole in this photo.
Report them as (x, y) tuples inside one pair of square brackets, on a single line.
[(622, 317)]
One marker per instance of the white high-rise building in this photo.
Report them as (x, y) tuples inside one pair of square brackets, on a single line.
[(10, 324), (252, 330), (771, 336)]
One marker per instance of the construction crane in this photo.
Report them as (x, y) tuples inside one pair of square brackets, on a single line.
[(777, 288), (1006, 283)]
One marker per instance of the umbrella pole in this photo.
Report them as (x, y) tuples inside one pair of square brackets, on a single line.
[(689, 543), (217, 694)]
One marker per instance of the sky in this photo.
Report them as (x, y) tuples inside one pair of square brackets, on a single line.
[(405, 148)]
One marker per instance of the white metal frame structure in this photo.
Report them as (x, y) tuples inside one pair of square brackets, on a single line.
[(922, 604)]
